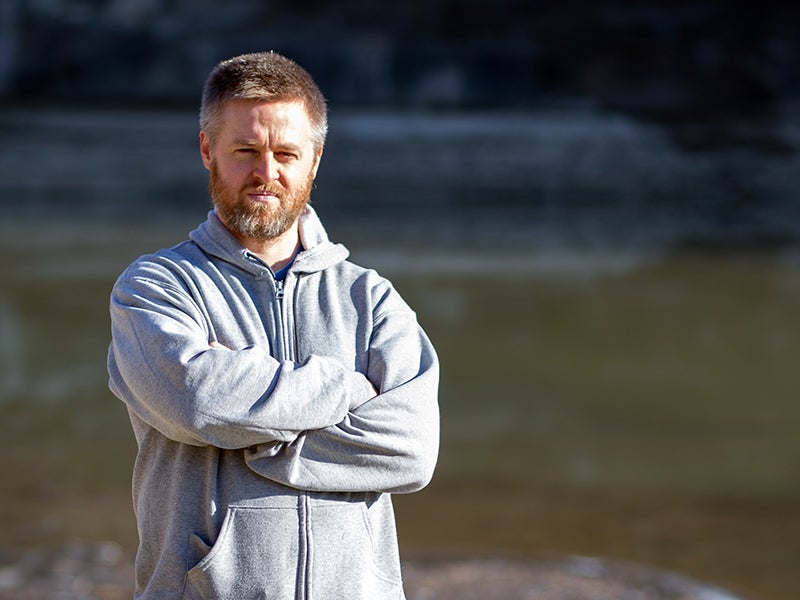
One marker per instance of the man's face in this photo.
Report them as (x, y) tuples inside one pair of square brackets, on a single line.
[(262, 166)]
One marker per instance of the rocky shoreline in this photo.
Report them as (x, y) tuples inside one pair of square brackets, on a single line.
[(102, 571)]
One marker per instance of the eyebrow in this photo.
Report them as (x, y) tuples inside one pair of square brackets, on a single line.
[(245, 142), (290, 146)]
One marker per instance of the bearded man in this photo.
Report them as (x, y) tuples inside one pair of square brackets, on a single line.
[(278, 393)]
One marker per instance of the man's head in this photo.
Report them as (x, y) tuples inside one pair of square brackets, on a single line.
[(266, 77), (263, 125)]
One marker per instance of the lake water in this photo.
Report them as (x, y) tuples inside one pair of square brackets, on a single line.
[(611, 385)]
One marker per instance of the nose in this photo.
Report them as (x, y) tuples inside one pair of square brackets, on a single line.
[(267, 168)]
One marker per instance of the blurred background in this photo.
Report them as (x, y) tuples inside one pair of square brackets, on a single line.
[(593, 207)]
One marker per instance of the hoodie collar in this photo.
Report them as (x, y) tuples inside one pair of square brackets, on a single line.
[(318, 251)]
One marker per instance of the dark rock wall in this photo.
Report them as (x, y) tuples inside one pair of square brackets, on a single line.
[(668, 59)]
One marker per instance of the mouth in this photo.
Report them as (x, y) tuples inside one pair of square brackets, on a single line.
[(262, 196)]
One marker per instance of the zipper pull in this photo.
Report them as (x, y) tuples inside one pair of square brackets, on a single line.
[(279, 289)]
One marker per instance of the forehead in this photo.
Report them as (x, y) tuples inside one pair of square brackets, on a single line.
[(255, 119)]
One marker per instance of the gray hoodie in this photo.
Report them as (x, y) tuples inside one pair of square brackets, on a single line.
[(265, 470)]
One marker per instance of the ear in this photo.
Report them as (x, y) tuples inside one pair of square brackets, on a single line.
[(205, 150), (317, 160)]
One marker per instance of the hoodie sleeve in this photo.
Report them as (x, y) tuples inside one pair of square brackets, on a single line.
[(387, 444), (161, 365)]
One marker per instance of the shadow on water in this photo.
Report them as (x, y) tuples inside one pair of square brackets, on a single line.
[(601, 396)]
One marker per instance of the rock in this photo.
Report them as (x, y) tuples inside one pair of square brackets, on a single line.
[(568, 578), (75, 571), (652, 58), (102, 571)]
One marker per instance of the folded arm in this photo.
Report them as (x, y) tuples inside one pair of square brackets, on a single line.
[(163, 367), (389, 443)]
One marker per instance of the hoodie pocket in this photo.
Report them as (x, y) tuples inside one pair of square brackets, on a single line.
[(351, 558), (255, 556)]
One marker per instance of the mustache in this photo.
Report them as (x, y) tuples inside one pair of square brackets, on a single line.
[(270, 188)]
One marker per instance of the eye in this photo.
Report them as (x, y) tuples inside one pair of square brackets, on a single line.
[(285, 155), (246, 151)]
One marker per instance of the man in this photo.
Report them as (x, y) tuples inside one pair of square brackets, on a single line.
[(278, 393)]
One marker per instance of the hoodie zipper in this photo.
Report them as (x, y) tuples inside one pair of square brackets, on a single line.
[(304, 542), (283, 329), (281, 333)]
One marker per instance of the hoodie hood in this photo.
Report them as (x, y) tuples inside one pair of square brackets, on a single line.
[(318, 251)]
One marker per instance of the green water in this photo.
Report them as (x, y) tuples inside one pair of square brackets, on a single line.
[(637, 408)]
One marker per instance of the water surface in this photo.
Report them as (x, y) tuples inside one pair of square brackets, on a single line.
[(600, 395)]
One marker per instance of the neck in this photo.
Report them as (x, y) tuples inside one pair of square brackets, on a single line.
[(276, 252)]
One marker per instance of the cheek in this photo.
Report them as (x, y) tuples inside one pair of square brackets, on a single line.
[(300, 175), (234, 173)]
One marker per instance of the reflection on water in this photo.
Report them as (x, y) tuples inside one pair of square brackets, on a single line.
[(645, 412), (621, 402)]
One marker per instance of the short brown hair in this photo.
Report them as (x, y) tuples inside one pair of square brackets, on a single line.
[(266, 77)]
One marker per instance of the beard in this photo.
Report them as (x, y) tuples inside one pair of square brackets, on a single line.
[(253, 220)]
